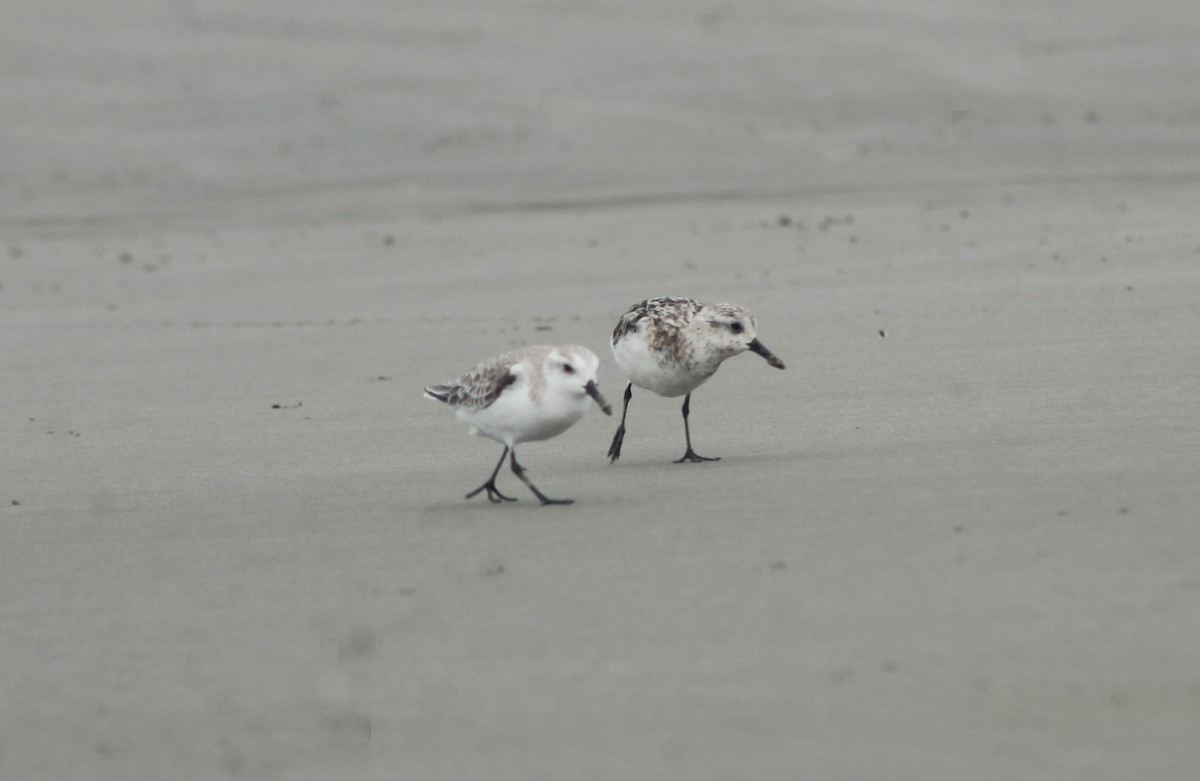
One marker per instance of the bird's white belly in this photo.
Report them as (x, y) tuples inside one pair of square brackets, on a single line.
[(643, 369), (511, 419)]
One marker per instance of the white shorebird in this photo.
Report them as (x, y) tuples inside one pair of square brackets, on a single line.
[(522, 396), (671, 346)]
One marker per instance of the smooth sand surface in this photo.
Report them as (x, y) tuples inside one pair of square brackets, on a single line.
[(956, 539)]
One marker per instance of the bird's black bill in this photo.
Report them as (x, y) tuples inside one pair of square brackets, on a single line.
[(594, 392), (757, 346)]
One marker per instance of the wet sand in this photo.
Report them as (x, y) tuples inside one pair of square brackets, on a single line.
[(956, 538)]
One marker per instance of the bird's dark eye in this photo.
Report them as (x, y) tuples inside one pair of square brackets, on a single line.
[(736, 327), (568, 368)]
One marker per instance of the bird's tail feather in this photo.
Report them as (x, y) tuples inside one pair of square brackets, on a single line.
[(439, 392)]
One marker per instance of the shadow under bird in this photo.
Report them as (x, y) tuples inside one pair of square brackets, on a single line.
[(671, 346), (523, 396)]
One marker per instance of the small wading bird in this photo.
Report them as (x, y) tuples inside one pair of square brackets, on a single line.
[(671, 346), (523, 396)]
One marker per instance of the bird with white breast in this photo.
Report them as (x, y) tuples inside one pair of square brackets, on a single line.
[(671, 346), (526, 395)]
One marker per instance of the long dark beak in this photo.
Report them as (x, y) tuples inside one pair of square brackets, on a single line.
[(594, 392), (757, 346)]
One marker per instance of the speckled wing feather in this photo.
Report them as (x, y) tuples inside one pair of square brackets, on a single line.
[(476, 389), (673, 313)]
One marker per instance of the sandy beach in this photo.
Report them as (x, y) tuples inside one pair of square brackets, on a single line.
[(956, 539)]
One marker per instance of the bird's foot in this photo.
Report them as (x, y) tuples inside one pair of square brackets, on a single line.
[(695, 458), (493, 493), (614, 450)]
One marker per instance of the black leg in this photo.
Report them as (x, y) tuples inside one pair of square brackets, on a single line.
[(519, 471), (493, 493), (614, 450), (690, 455)]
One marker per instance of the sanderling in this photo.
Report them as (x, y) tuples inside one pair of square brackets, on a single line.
[(670, 346), (522, 396)]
